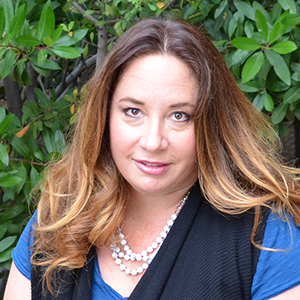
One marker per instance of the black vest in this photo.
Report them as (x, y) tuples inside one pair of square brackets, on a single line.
[(207, 255)]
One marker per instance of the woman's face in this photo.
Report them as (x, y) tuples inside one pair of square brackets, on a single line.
[(152, 135)]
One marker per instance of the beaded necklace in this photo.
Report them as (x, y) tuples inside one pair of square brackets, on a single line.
[(145, 256)]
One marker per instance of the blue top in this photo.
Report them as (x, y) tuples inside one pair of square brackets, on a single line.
[(277, 271)]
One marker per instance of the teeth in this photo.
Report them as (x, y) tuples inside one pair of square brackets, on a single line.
[(151, 165)]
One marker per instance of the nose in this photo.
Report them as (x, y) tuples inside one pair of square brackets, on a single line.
[(154, 136)]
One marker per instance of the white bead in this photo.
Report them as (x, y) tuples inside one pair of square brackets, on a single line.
[(145, 257), (163, 234), (133, 256), (126, 257), (127, 271), (166, 228), (173, 217), (129, 251), (121, 235), (126, 248), (138, 257), (144, 253), (154, 245), (122, 267), (159, 240), (152, 255), (121, 254), (117, 250), (149, 249), (118, 261), (170, 223), (140, 270), (123, 242), (149, 261), (134, 272), (144, 266), (113, 245), (114, 255)]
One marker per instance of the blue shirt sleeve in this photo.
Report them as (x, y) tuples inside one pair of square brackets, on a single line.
[(277, 271), (22, 253)]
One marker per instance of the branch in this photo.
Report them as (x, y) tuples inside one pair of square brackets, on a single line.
[(82, 11), (29, 162), (82, 66)]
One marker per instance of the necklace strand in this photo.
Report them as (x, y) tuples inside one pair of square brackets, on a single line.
[(145, 256)]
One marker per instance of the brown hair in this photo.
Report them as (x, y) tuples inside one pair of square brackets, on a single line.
[(84, 195)]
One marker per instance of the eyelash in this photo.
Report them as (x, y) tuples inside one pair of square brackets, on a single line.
[(129, 112), (185, 117)]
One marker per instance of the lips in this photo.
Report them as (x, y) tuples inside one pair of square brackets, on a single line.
[(152, 168)]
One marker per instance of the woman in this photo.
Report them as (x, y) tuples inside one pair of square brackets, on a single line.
[(163, 117)]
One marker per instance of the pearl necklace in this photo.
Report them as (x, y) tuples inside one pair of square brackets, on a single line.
[(145, 256)]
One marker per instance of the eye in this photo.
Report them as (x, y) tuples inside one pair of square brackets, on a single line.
[(180, 116), (132, 112)]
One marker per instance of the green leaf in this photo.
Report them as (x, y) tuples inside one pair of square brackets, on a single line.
[(49, 65), (279, 65), (13, 211), (22, 173), (34, 177), (42, 56), (118, 28), (66, 52), (88, 12), (261, 24), (10, 181), (291, 20), (2, 113), (3, 154), (57, 34), (232, 27), (248, 87), (27, 40), (245, 8), (47, 41), (249, 29), (279, 113), (7, 242), (245, 43), (7, 64), (222, 6), (20, 147), (285, 47), (42, 98), (288, 4), (18, 20), (6, 123), (292, 95), (2, 21), (277, 31), (47, 21), (48, 137), (258, 101), (8, 13), (252, 66), (268, 102), (6, 255)]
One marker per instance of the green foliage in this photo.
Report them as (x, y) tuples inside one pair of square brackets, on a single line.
[(45, 44)]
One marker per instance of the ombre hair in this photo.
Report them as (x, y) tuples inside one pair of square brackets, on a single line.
[(84, 196)]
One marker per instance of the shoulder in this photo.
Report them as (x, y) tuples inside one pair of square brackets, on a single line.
[(278, 269), (22, 253)]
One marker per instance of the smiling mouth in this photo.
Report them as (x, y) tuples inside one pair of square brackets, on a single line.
[(153, 165)]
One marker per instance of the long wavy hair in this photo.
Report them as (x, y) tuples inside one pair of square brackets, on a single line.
[(84, 196)]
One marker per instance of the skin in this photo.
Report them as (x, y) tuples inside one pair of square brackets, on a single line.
[(153, 144)]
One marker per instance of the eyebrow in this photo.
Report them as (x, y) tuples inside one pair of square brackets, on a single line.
[(180, 104)]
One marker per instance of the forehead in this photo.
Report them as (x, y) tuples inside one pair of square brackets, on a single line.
[(168, 66)]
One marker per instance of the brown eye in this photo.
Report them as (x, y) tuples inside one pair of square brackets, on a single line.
[(178, 116), (134, 112)]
